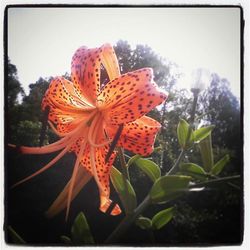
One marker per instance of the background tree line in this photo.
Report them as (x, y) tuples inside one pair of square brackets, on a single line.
[(213, 216)]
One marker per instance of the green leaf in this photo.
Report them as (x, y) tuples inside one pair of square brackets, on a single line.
[(66, 240), (201, 133), (191, 167), (15, 237), (207, 153), (162, 218), (218, 167), (151, 169), (80, 232), (143, 222), (182, 133), (169, 187), (124, 190), (133, 159), (193, 170)]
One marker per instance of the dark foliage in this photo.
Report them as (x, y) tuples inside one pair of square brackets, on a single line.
[(211, 217)]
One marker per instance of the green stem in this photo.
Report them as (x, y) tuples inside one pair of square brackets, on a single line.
[(211, 176), (228, 183), (125, 172), (175, 166), (215, 181), (127, 221), (194, 107), (191, 122), (182, 153)]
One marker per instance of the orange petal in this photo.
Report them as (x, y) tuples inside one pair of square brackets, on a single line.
[(60, 203), (138, 136), (66, 124), (130, 96), (109, 61), (63, 95), (47, 166), (103, 173), (102, 169), (105, 203), (85, 69), (67, 108)]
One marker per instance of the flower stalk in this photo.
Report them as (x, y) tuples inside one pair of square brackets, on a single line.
[(182, 153), (124, 167), (129, 219), (215, 181)]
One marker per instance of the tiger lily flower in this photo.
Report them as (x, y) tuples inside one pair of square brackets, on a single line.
[(87, 115)]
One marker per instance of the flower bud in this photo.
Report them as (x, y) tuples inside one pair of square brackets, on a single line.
[(201, 79)]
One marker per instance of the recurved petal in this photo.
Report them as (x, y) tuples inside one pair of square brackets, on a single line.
[(101, 174), (138, 136), (62, 94), (130, 96), (105, 203), (85, 69), (109, 61), (67, 107)]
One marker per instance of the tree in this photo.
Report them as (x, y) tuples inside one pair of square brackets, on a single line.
[(32, 103), (223, 110), (13, 86), (14, 91), (143, 56)]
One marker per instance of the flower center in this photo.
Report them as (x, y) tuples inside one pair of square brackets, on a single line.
[(96, 135)]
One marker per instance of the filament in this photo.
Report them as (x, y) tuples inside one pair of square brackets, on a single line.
[(93, 168), (45, 149), (58, 157), (52, 162), (94, 129), (73, 178)]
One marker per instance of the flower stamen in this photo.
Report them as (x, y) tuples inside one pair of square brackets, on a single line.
[(73, 178), (95, 128), (93, 168)]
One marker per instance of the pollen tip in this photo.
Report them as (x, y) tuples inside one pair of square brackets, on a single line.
[(116, 210)]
